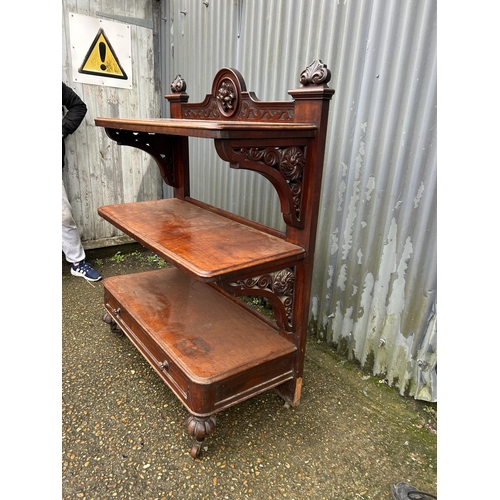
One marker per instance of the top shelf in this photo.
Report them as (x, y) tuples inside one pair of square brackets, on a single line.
[(211, 129)]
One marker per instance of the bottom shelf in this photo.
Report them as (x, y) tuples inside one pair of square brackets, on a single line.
[(211, 352)]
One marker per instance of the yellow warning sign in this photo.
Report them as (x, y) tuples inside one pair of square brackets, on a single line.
[(101, 59)]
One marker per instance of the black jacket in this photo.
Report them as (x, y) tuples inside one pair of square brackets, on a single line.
[(74, 111)]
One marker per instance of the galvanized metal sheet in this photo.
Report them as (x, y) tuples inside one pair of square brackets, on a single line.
[(374, 289)]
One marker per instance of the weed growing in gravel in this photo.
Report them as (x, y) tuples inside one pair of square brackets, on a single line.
[(118, 257), (144, 258)]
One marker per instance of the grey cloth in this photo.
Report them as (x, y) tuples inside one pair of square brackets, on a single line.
[(71, 242), (74, 110)]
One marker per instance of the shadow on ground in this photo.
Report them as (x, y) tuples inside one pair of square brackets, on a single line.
[(124, 437)]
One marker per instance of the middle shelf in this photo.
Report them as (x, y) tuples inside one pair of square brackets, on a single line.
[(203, 243)]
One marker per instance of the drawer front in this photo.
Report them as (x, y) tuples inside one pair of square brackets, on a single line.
[(157, 358), (202, 393), (253, 381)]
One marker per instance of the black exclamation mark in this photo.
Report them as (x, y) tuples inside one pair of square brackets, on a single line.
[(102, 53)]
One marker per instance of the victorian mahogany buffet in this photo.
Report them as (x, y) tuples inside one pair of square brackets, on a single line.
[(208, 346)]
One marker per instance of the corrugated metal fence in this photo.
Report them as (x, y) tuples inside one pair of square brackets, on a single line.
[(374, 287)]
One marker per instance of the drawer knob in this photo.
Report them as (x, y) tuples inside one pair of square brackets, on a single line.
[(116, 312), (163, 365)]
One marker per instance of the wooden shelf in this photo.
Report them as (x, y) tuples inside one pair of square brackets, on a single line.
[(206, 347), (203, 243), (210, 129)]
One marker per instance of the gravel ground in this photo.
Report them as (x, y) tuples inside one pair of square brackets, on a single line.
[(123, 432)]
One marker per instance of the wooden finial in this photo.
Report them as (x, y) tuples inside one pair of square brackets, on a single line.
[(315, 74)]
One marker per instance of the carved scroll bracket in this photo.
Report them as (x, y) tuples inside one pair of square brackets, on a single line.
[(283, 166), (158, 146), (277, 287)]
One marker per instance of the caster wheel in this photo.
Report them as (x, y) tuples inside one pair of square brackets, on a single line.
[(196, 450)]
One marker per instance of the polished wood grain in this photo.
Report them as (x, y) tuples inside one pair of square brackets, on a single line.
[(210, 129), (203, 243)]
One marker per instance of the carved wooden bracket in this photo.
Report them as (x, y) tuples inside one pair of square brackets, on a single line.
[(278, 287), (282, 166), (159, 146)]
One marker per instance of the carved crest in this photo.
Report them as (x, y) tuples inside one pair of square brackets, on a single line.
[(230, 99)]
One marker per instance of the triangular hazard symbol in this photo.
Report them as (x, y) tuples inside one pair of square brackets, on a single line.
[(101, 59)]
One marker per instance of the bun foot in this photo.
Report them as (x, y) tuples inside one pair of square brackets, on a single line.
[(200, 428)]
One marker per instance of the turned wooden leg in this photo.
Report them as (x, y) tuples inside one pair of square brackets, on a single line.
[(200, 428)]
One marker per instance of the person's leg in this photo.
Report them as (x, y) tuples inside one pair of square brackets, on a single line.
[(71, 243)]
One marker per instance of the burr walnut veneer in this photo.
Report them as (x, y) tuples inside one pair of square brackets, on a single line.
[(207, 345)]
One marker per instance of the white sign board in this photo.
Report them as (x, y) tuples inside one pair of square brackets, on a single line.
[(100, 51)]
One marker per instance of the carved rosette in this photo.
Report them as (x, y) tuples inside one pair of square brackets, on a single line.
[(178, 85), (290, 162), (227, 97), (278, 287), (315, 74)]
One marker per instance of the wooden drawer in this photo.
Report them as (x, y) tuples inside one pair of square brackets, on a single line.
[(158, 359), (211, 352)]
